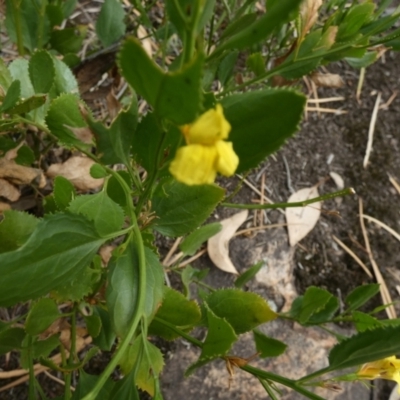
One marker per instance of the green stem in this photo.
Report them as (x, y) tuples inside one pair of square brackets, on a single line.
[(16, 9), (314, 375), (189, 338), (93, 394), (32, 379), (279, 379), (72, 354), (303, 203), (42, 16)]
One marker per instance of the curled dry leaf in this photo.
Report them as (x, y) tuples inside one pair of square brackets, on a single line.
[(218, 245), (8, 191), (20, 175), (309, 14), (77, 170), (327, 80), (105, 253), (301, 220)]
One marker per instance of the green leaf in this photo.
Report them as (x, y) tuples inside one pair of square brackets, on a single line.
[(125, 389), (12, 96), (365, 61), (25, 156), (107, 215), (150, 362), (65, 81), (122, 290), (55, 14), (19, 69), (93, 324), (360, 295), (226, 67), (110, 25), (25, 106), (192, 243), (266, 346), (87, 383), (106, 338), (314, 300), (5, 76), (243, 310), (11, 339), (63, 113), (97, 171), (238, 25), (122, 130), (365, 347), (256, 63), (181, 208), (326, 313), (364, 322), (260, 29), (15, 229), (41, 316), (219, 340), (261, 122), (354, 20), (176, 310), (42, 348), (59, 247), (147, 139), (41, 71), (248, 274), (220, 337), (63, 192), (174, 95), (34, 28), (68, 40)]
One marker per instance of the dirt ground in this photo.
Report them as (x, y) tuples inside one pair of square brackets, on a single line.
[(325, 143)]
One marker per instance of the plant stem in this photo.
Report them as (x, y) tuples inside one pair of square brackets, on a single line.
[(32, 379), (93, 394), (72, 354), (279, 379), (303, 203), (16, 9), (189, 338)]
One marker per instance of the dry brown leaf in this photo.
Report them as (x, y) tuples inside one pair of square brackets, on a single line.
[(301, 220), (218, 245), (8, 191), (77, 170), (339, 182), (327, 80), (84, 134), (309, 14), (105, 253), (57, 326), (20, 175), (113, 105), (145, 38)]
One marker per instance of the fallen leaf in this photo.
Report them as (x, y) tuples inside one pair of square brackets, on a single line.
[(301, 220), (77, 170), (327, 80), (105, 253), (9, 191), (218, 245), (20, 175)]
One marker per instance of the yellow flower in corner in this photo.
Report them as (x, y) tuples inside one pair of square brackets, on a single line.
[(206, 152), (388, 368)]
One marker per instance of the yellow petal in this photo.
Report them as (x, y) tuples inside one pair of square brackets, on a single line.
[(194, 164), (227, 160), (208, 128)]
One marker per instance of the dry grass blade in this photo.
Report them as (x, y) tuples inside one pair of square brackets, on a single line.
[(171, 252), (326, 99), (353, 255), (58, 380), (327, 110), (382, 225), (391, 312), (372, 130), (191, 259)]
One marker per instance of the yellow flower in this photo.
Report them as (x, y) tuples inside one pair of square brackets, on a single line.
[(388, 368), (206, 152)]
